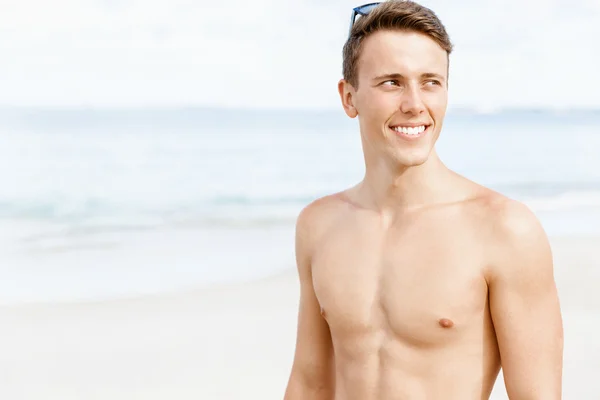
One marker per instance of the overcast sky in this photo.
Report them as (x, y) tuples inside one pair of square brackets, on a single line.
[(267, 53)]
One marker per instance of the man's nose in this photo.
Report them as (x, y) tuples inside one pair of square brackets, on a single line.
[(412, 102)]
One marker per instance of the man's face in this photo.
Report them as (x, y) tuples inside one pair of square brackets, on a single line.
[(402, 95)]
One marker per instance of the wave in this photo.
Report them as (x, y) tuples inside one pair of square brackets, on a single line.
[(565, 202), (92, 216)]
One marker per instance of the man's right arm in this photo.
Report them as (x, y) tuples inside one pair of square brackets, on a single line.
[(313, 370)]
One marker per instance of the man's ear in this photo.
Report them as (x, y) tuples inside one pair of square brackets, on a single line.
[(346, 91)]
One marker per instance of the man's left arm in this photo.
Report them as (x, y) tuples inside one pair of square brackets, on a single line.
[(525, 307)]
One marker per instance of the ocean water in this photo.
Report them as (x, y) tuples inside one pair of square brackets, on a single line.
[(118, 202)]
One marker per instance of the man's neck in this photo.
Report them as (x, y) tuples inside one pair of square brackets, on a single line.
[(396, 189)]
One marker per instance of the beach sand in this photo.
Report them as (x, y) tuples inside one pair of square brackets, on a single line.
[(227, 341)]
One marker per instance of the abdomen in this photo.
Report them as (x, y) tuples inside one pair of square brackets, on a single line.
[(380, 368)]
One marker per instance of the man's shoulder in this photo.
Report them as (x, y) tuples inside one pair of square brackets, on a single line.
[(321, 213), (314, 221), (510, 219), (515, 234)]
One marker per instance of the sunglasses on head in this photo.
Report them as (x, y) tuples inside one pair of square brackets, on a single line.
[(363, 10)]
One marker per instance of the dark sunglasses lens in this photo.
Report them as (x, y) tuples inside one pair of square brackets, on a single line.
[(366, 9), (360, 11)]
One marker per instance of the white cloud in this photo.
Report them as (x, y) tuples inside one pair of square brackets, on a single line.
[(276, 53)]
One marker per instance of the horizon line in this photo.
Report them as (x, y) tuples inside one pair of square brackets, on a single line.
[(451, 109)]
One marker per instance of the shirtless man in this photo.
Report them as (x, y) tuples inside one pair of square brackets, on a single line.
[(417, 283)]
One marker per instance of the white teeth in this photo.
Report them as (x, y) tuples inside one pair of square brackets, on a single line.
[(410, 130)]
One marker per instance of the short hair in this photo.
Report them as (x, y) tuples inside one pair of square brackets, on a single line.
[(401, 15)]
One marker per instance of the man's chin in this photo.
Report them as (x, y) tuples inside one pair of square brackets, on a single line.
[(411, 160)]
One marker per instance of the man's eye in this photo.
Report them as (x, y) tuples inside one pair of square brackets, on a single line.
[(434, 82), (390, 82)]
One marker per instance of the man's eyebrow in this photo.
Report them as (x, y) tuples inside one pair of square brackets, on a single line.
[(397, 76), (389, 76), (433, 75)]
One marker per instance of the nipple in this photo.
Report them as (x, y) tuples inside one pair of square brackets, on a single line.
[(446, 323)]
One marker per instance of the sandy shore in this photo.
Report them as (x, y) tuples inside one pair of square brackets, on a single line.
[(231, 341)]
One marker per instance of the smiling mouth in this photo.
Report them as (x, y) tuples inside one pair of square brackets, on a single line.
[(410, 131)]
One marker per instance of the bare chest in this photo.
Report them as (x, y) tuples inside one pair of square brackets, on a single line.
[(422, 289)]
